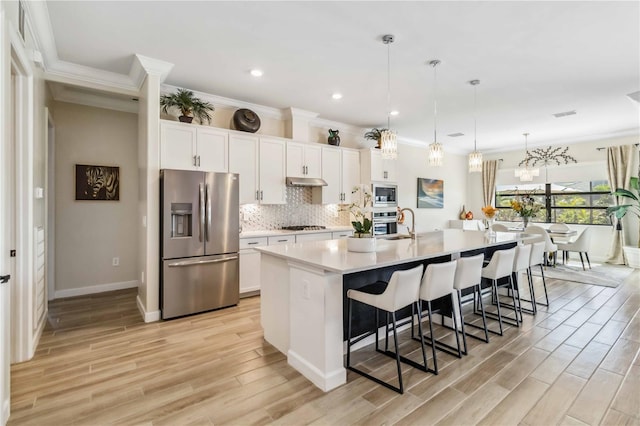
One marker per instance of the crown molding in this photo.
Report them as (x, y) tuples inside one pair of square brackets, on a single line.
[(291, 113), (61, 93), (37, 14), (229, 103), (143, 65)]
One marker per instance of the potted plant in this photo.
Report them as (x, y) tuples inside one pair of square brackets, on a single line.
[(362, 240), (375, 134), (188, 104), (631, 253)]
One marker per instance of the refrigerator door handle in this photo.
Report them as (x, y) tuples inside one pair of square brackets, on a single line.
[(202, 210), (200, 262), (207, 228)]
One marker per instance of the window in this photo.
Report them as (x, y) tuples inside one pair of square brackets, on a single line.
[(566, 202)]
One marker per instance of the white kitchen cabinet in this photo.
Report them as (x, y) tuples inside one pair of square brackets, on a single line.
[(282, 239), (244, 152), (250, 264), (376, 169), (317, 236), (260, 162), (341, 171), (304, 159), (272, 171), (338, 235), (192, 147)]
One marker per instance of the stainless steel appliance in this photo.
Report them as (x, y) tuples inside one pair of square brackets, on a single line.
[(384, 195), (385, 221), (199, 225)]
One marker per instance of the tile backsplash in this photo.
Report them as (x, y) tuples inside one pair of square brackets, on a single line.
[(298, 211)]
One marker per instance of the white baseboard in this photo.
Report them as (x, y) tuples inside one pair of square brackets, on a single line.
[(100, 288), (147, 316), (326, 382), (4, 417)]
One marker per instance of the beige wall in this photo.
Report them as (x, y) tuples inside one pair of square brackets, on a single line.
[(90, 233)]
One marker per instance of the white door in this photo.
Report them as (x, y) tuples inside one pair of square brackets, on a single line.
[(272, 171), (212, 150), (178, 146), (295, 159), (243, 159), (331, 159), (313, 160), (350, 173)]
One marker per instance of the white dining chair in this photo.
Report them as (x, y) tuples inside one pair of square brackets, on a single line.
[(498, 227), (549, 247), (580, 245)]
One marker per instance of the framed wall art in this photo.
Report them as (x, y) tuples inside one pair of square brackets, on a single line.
[(430, 193), (98, 183)]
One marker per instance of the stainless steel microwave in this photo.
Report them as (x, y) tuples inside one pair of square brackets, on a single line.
[(384, 195)]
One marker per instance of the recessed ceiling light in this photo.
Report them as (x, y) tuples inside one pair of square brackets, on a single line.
[(256, 72), (455, 135), (337, 96), (564, 114), (394, 113)]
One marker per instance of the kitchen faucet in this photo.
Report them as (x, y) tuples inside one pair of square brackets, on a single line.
[(412, 232)]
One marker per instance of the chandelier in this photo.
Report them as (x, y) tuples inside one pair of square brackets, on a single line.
[(388, 140), (436, 153), (526, 173), (475, 158)]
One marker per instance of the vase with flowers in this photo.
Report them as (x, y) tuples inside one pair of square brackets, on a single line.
[(360, 211), (489, 212), (526, 207)]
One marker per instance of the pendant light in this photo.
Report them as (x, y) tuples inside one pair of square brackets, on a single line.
[(436, 153), (526, 173), (475, 158), (388, 140)]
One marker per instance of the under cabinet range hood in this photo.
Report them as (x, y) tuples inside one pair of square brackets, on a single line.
[(303, 181)]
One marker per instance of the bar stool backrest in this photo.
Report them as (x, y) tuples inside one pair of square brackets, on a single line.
[(500, 265), (537, 253), (522, 257), (402, 289), (468, 272), (438, 280)]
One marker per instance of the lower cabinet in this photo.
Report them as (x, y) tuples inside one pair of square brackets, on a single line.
[(316, 236), (249, 271)]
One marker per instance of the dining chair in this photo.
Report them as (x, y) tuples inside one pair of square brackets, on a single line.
[(498, 227), (549, 248), (560, 228), (580, 245)]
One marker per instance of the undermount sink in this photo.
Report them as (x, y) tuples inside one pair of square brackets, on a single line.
[(396, 237)]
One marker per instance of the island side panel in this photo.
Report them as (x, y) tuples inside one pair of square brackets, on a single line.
[(316, 348), (274, 301)]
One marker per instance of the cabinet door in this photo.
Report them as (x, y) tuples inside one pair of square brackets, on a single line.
[(212, 150), (243, 159), (350, 174), (295, 159), (313, 160), (177, 146), (319, 236), (389, 172), (331, 160), (341, 234), (272, 171), (249, 270), (377, 168)]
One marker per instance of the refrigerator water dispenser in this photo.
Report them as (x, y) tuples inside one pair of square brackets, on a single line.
[(181, 220)]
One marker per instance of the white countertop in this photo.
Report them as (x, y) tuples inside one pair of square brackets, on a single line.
[(273, 232), (332, 255)]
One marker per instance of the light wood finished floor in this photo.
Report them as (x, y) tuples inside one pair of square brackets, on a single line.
[(98, 363)]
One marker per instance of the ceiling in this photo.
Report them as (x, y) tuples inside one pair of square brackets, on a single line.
[(533, 59)]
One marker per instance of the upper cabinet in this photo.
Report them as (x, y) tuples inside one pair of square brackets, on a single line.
[(376, 169), (304, 159), (260, 162), (341, 171), (192, 147)]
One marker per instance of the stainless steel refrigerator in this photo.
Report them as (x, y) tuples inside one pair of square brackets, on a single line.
[(199, 230)]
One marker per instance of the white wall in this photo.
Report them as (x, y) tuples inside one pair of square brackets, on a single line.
[(89, 234), (412, 164)]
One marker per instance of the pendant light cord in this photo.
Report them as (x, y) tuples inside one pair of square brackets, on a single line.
[(475, 117), (389, 86), (435, 102)]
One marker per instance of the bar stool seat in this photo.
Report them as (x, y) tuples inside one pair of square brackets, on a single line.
[(401, 291), (469, 275), (437, 283), (500, 266)]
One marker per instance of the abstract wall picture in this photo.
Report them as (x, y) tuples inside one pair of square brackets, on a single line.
[(100, 183), (430, 193)]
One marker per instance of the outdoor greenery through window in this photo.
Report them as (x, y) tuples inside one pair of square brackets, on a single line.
[(563, 202)]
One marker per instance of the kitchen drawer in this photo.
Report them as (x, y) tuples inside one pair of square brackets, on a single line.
[(253, 242), (313, 237), (341, 234), (282, 239)]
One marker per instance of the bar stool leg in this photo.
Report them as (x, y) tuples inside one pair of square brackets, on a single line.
[(516, 304), (424, 352), (433, 339), (455, 327), (395, 342), (349, 334), (484, 316), (495, 289), (544, 285), (464, 336)]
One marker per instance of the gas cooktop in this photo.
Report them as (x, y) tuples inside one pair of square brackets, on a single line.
[(304, 228)]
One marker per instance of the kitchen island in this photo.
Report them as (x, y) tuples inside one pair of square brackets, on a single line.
[(304, 286)]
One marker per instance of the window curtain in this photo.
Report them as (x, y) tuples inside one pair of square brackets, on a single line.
[(619, 168), (489, 169)]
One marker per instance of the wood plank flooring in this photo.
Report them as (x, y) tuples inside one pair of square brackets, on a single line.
[(575, 362)]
